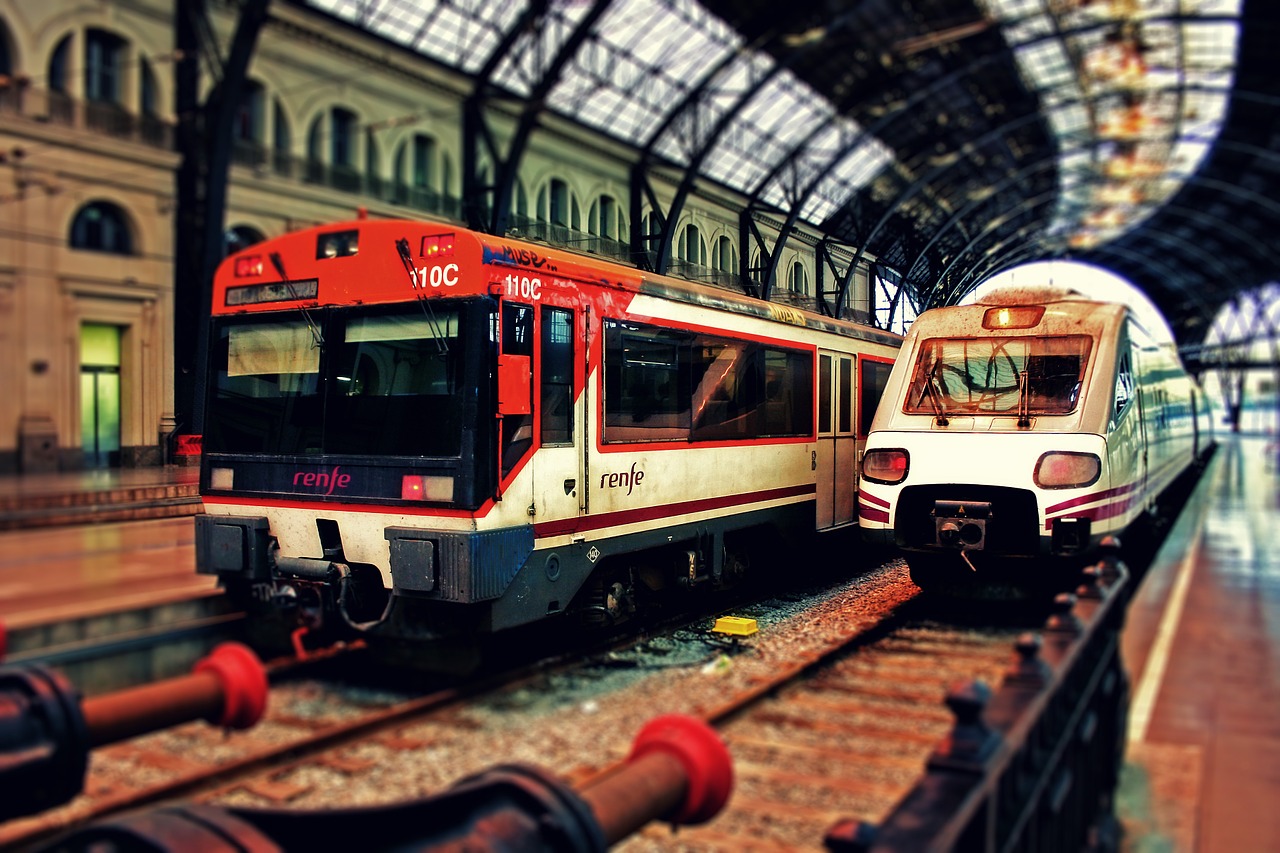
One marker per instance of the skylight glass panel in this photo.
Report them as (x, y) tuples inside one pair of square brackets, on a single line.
[(1151, 81), (459, 33)]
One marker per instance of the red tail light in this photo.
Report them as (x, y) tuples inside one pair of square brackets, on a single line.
[(885, 466), (419, 487), (439, 246), (248, 265)]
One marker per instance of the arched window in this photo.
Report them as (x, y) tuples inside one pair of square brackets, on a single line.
[(148, 90), (333, 134), (605, 218), (342, 138), (798, 279), (103, 66), (417, 172), (251, 116), (372, 161), (558, 207), (9, 93), (240, 237), (101, 226), (58, 60), (151, 125), (608, 227), (281, 139), (6, 60), (725, 256), (520, 201), (424, 162), (691, 248)]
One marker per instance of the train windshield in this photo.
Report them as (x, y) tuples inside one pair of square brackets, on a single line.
[(343, 381), (992, 375)]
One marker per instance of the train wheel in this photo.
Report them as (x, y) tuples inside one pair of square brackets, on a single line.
[(607, 600)]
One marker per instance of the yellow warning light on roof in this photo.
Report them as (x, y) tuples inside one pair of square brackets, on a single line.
[(735, 626), (1012, 317)]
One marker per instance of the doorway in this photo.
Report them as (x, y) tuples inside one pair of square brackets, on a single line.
[(100, 395)]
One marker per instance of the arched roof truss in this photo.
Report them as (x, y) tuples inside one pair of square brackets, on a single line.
[(941, 141)]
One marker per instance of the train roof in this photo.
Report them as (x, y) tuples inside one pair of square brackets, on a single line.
[(1060, 311), (500, 251)]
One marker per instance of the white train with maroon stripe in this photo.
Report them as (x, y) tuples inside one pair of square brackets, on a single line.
[(1024, 427), (414, 431)]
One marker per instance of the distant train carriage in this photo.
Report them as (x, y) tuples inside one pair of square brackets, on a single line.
[(1026, 426), (415, 431)]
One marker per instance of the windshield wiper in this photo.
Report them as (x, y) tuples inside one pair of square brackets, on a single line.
[(278, 263), (1024, 398), (402, 247), (935, 398)]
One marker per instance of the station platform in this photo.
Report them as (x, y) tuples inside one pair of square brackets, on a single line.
[(1201, 643), (92, 497), (1202, 648)]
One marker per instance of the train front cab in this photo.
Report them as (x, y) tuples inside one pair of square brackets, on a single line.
[(999, 451)]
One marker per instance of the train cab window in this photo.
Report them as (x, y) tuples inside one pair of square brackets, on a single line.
[(558, 392), (517, 339), (994, 375), (345, 382)]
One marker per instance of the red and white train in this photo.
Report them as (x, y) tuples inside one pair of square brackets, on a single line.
[(415, 431), (1026, 426)]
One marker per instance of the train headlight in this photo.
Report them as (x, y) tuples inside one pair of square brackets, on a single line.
[(1067, 470), (885, 466), (337, 244), (419, 487)]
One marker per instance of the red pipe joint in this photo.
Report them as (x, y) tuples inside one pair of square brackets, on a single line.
[(708, 768), (244, 684)]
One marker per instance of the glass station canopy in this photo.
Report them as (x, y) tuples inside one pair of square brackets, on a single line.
[(950, 143)]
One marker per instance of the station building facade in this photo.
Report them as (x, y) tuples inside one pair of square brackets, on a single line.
[(334, 120)]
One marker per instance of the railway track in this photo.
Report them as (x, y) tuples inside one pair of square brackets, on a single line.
[(843, 735), (830, 713)]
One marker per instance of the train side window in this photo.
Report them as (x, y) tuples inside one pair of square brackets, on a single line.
[(824, 394), (873, 377), (846, 395), (788, 393), (674, 385), (558, 392), (646, 396), (1124, 383)]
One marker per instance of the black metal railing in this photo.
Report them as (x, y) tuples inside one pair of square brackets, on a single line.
[(99, 117), (1035, 764)]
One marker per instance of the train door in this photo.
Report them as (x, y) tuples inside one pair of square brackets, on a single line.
[(559, 479), (836, 455)]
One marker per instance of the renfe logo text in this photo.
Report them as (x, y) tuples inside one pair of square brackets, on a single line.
[(617, 480), (331, 480)]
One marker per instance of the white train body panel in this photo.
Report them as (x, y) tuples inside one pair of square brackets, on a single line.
[(980, 397)]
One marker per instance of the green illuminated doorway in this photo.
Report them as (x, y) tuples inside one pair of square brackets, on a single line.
[(100, 395)]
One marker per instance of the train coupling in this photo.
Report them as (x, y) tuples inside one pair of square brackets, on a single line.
[(961, 525), (319, 586)]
